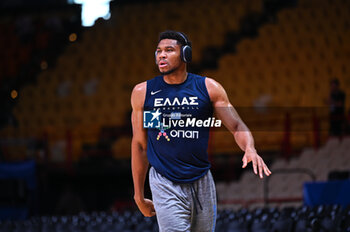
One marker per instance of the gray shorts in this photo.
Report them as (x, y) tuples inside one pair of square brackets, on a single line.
[(184, 207)]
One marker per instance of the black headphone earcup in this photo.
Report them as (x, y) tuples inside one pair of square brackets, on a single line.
[(186, 54)]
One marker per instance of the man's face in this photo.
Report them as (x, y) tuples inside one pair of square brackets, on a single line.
[(168, 56)]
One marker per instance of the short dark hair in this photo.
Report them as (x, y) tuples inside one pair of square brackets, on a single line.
[(176, 36)]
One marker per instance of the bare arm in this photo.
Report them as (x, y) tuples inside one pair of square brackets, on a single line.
[(139, 161), (229, 116)]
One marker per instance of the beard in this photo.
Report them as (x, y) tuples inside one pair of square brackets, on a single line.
[(167, 72)]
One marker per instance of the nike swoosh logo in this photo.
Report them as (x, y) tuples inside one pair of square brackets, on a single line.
[(155, 92)]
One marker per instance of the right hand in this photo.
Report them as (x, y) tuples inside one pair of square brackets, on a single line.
[(146, 207)]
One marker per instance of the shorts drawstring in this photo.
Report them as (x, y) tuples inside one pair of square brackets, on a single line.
[(195, 198)]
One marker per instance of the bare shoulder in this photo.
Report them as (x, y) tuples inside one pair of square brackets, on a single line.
[(210, 82), (214, 88), (140, 88), (138, 94)]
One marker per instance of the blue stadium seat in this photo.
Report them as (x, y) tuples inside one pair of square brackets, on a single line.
[(283, 225)]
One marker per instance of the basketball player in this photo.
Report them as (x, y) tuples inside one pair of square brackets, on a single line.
[(183, 190)]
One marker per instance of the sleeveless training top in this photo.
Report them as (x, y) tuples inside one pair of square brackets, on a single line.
[(177, 118)]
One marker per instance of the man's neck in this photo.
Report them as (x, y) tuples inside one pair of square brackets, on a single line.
[(176, 77)]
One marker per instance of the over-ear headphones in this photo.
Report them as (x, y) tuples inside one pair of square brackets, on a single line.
[(185, 50)]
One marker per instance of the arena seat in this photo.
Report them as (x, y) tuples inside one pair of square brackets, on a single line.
[(249, 188), (293, 52)]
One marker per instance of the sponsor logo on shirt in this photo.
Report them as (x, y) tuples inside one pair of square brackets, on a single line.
[(183, 123)]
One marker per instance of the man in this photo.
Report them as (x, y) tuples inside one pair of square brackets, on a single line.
[(337, 108), (182, 186)]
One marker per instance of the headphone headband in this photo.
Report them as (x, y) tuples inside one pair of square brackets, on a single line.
[(184, 37)]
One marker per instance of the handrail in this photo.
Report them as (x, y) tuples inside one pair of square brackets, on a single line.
[(281, 171)]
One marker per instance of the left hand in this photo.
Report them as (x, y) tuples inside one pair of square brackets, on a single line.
[(258, 163)]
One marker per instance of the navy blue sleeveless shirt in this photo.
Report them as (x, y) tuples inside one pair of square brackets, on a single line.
[(177, 118)]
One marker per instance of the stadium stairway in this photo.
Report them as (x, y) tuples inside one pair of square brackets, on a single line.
[(248, 28)]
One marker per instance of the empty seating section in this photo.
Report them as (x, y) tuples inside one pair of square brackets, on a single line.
[(286, 189), (299, 54), (91, 83), (289, 64), (288, 219)]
